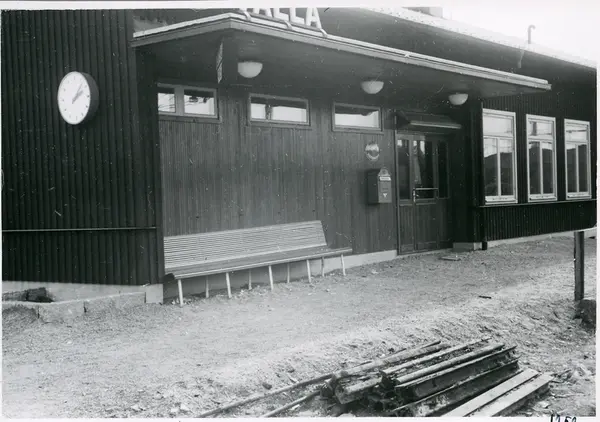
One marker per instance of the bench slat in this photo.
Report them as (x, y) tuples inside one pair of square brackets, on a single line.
[(218, 268)]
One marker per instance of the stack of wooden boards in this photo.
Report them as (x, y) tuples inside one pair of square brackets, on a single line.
[(478, 378)]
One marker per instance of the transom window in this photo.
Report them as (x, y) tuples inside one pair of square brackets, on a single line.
[(577, 151), (279, 109), (499, 156), (347, 116), (541, 157), (182, 100)]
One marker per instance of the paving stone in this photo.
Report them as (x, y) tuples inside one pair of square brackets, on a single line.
[(120, 301), (61, 311)]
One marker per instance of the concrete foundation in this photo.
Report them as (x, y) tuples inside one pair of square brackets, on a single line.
[(103, 304), (73, 291)]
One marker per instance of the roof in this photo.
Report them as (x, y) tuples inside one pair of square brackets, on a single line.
[(481, 34), (305, 35)]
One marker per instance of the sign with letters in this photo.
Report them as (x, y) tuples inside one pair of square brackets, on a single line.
[(311, 17)]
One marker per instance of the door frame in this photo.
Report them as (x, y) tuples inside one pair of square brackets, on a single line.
[(413, 202)]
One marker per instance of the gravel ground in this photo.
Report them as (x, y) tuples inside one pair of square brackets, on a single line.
[(165, 361)]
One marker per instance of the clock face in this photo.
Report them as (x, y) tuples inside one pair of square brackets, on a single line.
[(77, 97)]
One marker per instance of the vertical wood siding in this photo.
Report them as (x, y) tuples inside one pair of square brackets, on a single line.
[(78, 202), (526, 219), (231, 174)]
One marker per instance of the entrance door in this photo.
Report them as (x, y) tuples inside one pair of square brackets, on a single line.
[(423, 192)]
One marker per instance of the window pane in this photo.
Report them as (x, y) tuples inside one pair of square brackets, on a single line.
[(540, 128), (583, 158), (497, 125), (576, 132), (443, 169), (571, 168), (166, 100), (350, 116), (199, 102), (506, 167), (490, 166), (548, 167), (403, 172), (280, 110), (534, 169), (423, 169)]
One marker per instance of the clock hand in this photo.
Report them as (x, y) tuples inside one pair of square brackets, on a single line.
[(78, 94)]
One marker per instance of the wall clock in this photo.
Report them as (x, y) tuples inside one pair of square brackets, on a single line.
[(77, 97)]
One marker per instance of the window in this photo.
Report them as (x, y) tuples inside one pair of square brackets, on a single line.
[(278, 109), (541, 157), (499, 156), (187, 101), (356, 117), (577, 151)]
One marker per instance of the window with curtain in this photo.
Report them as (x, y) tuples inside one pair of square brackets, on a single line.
[(499, 156), (577, 151), (541, 158)]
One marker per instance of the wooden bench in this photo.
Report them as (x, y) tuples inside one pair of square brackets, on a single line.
[(205, 254)]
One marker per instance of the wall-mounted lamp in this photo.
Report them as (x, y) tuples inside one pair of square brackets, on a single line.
[(249, 69), (458, 98), (371, 87)]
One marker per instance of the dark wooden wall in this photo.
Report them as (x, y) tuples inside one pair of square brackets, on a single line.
[(79, 203), (231, 174), (527, 219)]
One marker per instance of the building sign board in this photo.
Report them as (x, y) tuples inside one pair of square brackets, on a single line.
[(311, 17)]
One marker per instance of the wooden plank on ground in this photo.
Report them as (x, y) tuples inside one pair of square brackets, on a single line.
[(510, 402), (431, 405), (437, 381), (489, 396)]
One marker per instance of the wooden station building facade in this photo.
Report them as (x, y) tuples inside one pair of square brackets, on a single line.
[(211, 120)]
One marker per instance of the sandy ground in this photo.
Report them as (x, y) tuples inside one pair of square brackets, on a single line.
[(163, 360)]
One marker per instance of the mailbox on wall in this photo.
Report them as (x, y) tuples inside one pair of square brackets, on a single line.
[(379, 186)]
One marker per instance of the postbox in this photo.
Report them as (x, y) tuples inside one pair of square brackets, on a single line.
[(379, 186)]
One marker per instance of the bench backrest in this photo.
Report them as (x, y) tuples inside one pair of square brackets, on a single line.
[(230, 244)]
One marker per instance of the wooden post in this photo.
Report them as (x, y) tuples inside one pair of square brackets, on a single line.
[(206, 288), (579, 253), (228, 285), (271, 277), (308, 271), (288, 273), (180, 292), (322, 267), (250, 279), (343, 265)]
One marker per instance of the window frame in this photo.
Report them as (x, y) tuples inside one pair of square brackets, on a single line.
[(542, 197), (501, 199), (587, 142), (343, 128), (278, 122), (179, 90)]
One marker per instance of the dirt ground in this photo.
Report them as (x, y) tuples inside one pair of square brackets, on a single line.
[(167, 361)]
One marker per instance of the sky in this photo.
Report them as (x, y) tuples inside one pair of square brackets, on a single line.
[(571, 26)]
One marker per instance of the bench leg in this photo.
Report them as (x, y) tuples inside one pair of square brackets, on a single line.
[(249, 279), (343, 265), (180, 292), (288, 273), (308, 271), (322, 267), (228, 285), (206, 288), (271, 277)]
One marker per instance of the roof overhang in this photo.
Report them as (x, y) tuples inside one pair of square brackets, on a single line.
[(496, 82)]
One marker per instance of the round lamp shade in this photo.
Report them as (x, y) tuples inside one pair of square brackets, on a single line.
[(372, 87), (458, 98), (249, 69)]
